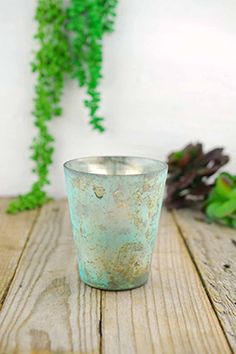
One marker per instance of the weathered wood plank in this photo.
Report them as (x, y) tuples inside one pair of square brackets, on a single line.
[(47, 308), (171, 314), (14, 232), (213, 248)]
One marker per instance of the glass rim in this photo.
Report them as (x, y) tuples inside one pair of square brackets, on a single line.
[(163, 166)]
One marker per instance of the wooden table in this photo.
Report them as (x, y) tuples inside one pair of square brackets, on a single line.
[(188, 305)]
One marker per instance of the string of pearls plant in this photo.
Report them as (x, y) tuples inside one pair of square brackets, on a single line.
[(70, 45), (88, 22)]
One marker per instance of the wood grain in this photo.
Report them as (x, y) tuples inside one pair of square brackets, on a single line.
[(171, 314), (213, 248), (47, 308), (14, 232)]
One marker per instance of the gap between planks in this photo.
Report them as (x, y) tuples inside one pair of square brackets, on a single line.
[(49, 310), (212, 248), (15, 231), (171, 314), (198, 271)]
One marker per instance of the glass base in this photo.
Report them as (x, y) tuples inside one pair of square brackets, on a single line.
[(114, 280), (100, 287)]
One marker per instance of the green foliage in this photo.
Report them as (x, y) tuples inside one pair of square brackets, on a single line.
[(89, 20), (52, 62), (221, 203)]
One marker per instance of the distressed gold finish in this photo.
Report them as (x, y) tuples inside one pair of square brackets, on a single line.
[(115, 205)]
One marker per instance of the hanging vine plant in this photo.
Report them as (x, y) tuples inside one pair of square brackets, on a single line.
[(51, 63), (89, 20), (70, 42)]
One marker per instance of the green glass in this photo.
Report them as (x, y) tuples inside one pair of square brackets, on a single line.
[(115, 205)]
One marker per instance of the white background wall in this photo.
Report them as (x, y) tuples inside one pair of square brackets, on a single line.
[(169, 78)]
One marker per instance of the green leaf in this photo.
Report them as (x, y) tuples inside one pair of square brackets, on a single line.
[(211, 210), (223, 186), (226, 208), (221, 204)]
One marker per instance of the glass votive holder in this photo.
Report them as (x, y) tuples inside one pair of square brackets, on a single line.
[(115, 205)]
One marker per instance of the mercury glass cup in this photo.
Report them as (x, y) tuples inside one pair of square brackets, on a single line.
[(115, 205)]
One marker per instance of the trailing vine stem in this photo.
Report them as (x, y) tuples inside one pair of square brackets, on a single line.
[(89, 20), (84, 22), (52, 62)]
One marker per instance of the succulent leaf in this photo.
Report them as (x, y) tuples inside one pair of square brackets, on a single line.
[(189, 171), (221, 203)]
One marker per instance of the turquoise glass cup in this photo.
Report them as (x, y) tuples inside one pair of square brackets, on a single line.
[(115, 205)]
